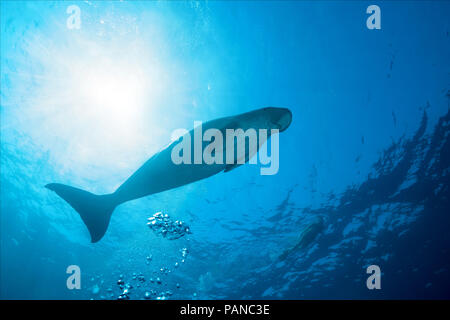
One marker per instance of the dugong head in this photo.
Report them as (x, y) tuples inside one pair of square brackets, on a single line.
[(264, 118), (279, 118)]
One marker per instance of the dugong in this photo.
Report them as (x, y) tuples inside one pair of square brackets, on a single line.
[(160, 173)]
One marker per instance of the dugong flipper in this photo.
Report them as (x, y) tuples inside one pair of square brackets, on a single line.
[(160, 173)]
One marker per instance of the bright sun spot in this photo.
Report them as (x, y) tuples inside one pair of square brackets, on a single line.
[(114, 96), (108, 100), (98, 106)]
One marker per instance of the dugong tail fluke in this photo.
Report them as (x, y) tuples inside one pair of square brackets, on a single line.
[(95, 210)]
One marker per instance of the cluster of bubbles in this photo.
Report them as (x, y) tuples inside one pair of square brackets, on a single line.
[(184, 253), (161, 224), (139, 280), (126, 288)]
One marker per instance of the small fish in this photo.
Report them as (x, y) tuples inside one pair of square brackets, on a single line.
[(308, 234), (394, 118)]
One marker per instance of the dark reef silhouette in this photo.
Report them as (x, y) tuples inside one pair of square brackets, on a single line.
[(402, 213)]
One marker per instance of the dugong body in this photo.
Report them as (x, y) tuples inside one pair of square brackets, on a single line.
[(160, 173)]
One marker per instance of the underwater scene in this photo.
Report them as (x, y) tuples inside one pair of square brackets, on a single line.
[(350, 106)]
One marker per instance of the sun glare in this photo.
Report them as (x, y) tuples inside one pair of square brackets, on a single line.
[(102, 106), (113, 95), (96, 101), (107, 104)]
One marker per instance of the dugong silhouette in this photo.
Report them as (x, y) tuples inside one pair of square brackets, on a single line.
[(160, 173)]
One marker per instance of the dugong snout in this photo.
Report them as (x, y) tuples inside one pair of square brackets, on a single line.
[(280, 117)]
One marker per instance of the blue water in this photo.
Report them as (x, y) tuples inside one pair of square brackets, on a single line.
[(367, 151)]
